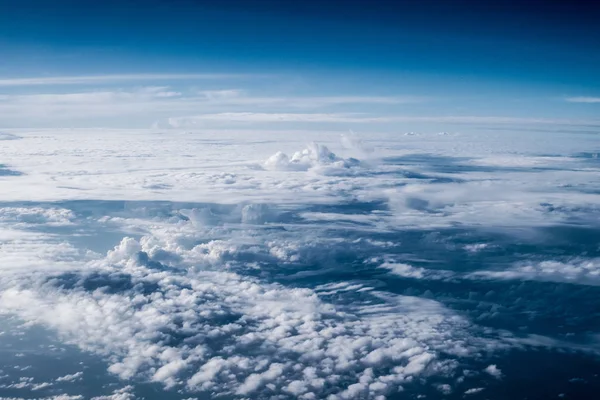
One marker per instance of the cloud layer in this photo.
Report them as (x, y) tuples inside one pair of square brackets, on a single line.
[(244, 265)]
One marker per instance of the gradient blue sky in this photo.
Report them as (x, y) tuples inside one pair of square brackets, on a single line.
[(401, 62)]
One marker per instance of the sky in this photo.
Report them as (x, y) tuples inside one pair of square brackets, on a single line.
[(365, 65), (183, 212)]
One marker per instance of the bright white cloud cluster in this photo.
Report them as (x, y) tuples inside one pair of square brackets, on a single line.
[(314, 156), (249, 338)]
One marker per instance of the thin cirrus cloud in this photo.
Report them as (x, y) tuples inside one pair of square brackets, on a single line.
[(79, 105), (185, 106), (100, 79), (240, 97), (361, 118), (583, 99), (81, 98), (153, 100)]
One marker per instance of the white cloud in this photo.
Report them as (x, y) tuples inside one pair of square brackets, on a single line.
[(308, 345), (144, 93), (580, 271), (23, 216), (224, 94), (494, 371), (314, 156), (254, 117), (204, 297), (240, 98), (408, 271), (474, 390), (8, 136), (102, 79), (70, 378), (154, 102), (119, 394), (41, 386), (583, 99)]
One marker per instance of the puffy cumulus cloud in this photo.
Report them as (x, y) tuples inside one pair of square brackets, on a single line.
[(494, 371), (178, 323), (579, 271), (315, 156)]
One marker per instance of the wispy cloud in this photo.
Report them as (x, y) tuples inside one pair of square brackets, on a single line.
[(183, 106), (240, 97), (98, 79), (81, 98), (263, 117), (77, 105), (583, 99), (164, 101), (252, 117)]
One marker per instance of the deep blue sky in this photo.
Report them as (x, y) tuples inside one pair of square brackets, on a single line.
[(498, 48), (541, 41)]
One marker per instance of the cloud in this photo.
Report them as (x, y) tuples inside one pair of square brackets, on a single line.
[(579, 271), (82, 105), (179, 258), (8, 136), (31, 216), (119, 394), (104, 79), (314, 156), (494, 371), (474, 390), (261, 117), (168, 308), (408, 271), (144, 93), (179, 108), (225, 94), (239, 97), (583, 99), (162, 101), (212, 324), (70, 378), (255, 117)]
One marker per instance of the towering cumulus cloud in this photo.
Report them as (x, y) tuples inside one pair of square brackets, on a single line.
[(315, 156)]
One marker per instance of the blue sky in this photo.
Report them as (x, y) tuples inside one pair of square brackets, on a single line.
[(388, 60)]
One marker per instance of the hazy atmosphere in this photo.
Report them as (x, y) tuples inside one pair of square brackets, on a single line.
[(299, 200)]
